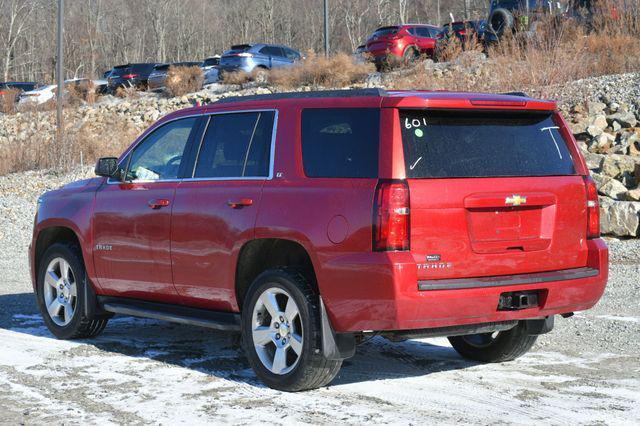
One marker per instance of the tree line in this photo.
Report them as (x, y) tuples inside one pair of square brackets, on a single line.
[(102, 33)]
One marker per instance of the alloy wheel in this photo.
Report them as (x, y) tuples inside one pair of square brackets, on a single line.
[(277, 331), (60, 291)]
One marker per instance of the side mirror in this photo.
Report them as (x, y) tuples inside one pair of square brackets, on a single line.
[(106, 166)]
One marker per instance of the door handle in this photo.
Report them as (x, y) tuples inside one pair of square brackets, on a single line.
[(158, 203), (238, 204)]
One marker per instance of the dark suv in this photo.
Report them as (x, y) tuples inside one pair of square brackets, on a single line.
[(308, 222), (130, 75)]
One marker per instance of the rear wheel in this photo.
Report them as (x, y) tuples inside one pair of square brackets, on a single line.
[(281, 332), (410, 56), (499, 346), (60, 286)]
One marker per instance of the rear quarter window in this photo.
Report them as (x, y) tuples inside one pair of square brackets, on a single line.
[(341, 142), (440, 144)]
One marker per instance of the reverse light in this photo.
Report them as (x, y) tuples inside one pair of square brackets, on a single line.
[(391, 216), (593, 208)]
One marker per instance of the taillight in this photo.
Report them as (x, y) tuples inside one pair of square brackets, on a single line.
[(129, 76), (243, 54), (391, 216), (593, 208)]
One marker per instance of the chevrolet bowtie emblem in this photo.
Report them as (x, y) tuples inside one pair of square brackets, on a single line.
[(515, 200)]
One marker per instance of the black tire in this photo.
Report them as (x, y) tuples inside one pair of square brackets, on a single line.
[(312, 370), (80, 326), (505, 346), (500, 21), (410, 56)]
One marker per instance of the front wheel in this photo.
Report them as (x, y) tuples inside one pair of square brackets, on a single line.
[(281, 332), (59, 290), (499, 346)]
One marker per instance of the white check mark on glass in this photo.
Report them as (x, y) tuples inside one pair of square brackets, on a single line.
[(413, 166)]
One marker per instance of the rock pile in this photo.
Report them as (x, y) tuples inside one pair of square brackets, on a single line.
[(609, 137)]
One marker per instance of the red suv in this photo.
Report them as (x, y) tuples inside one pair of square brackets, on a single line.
[(401, 44), (310, 221)]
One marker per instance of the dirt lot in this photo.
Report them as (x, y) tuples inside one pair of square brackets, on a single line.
[(587, 371)]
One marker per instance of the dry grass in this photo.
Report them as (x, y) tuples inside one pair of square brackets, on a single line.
[(318, 71), (237, 77), (127, 92), (85, 143), (83, 92), (183, 80), (8, 101)]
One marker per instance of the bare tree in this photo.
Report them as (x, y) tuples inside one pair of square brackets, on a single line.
[(17, 15)]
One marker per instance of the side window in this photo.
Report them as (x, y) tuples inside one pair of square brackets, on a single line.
[(291, 54), (271, 51), (236, 145), (159, 155), (423, 32), (341, 142)]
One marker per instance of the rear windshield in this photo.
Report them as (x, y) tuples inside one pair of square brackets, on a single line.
[(385, 31), (440, 144), (211, 61)]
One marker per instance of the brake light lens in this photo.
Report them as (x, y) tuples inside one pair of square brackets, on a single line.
[(129, 76), (391, 216), (593, 208), (243, 54)]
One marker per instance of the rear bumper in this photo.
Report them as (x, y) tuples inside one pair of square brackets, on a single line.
[(380, 292)]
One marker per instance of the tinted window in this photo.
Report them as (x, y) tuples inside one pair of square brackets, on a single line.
[(385, 31), (423, 32), (341, 142), (159, 155), (211, 61), (476, 144), (236, 145), (291, 54), (412, 31), (271, 51)]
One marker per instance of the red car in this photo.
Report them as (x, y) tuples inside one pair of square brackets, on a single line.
[(401, 44), (309, 221)]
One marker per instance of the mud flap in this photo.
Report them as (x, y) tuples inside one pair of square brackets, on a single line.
[(92, 309), (335, 346), (539, 326)]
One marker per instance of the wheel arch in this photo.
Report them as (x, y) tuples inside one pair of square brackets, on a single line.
[(49, 236), (259, 255)]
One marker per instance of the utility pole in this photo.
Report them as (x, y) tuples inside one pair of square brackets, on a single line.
[(60, 76), (326, 28), (438, 9)]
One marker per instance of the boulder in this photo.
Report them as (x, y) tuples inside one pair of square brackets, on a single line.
[(616, 166), (619, 218), (625, 119), (595, 107), (594, 161), (613, 189), (633, 195), (597, 124)]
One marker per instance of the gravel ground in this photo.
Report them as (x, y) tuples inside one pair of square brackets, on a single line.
[(586, 371)]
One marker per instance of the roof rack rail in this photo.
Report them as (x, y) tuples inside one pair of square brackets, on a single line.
[(521, 94), (348, 93)]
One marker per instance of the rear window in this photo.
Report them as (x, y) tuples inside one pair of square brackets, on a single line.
[(385, 31), (439, 144), (341, 142), (211, 62)]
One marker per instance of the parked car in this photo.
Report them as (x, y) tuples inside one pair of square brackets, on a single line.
[(212, 75), (209, 63), (249, 57), (286, 217), (47, 93), (130, 75), (158, 76), (466, 34), (401, 44), (16, 88), (360, 54)]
